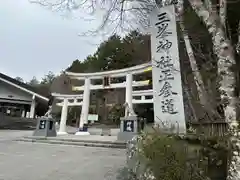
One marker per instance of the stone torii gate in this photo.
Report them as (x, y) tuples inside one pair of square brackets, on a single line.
[(83, 99), (77, 101), (166, 75)]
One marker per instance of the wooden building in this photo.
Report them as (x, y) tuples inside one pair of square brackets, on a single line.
[(18, 99)]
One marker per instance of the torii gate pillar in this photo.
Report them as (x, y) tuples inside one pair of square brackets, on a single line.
[(85, 108)]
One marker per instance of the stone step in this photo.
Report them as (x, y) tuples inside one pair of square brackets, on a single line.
[(75, 142)]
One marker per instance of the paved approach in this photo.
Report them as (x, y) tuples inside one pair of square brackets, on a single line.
[(28, 161)]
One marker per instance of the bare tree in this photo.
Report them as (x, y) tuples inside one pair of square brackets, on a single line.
[(120, 16)]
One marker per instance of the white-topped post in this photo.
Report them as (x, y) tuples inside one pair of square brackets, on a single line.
[(128, 100), (85, 108), (63, 122), (32, 108)]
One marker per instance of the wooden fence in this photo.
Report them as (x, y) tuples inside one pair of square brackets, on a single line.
[(217, 128)]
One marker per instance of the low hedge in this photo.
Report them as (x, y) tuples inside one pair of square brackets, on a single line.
[(159, 156)]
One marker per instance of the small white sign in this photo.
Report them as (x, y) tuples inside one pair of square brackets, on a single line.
[(92, 117)]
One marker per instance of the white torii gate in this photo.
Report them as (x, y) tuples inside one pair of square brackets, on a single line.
[(87, 87), (166, 75), (65, 103)]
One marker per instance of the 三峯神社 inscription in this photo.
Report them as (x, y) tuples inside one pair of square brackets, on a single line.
[(167, 86)]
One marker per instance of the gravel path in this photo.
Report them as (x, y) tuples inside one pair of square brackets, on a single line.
[(27, 161)]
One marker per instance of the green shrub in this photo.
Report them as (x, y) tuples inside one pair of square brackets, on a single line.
[(159, 156), (170, 158)]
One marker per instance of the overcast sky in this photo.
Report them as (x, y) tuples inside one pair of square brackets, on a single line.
[(34, 40)]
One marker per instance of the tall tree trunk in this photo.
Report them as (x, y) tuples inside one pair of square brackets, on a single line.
[(222, 12), (193, 63), (209, 5), (224, 51), (238, 43), (226, 60), (189, 101), (202, 93)]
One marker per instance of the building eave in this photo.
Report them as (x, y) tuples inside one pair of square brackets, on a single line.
[(24, 89)]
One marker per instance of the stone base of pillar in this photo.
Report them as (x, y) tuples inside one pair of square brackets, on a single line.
[(82, 133), (62, 133)]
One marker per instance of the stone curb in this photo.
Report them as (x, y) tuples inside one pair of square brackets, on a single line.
[(75, 140), (88, 144)]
